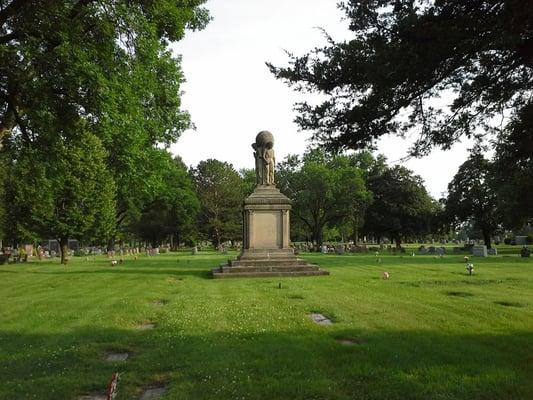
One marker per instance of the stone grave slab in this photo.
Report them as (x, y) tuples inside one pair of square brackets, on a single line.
[(320, 319), (117, 356)]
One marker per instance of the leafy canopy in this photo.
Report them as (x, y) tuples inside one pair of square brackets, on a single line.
[(402, 57)]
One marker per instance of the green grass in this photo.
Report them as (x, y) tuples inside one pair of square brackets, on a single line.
[(429, 332)]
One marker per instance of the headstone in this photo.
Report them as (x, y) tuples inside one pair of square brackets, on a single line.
[(339, 249), (521, 240), (194, 250), (525, 252), (493, 251), (320, 319), (479, 251), (28, 249)]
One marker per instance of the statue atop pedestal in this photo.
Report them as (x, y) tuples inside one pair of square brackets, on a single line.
[(266, 249), (265, 159)]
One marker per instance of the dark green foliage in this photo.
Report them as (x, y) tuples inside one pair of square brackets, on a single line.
[(327, 191), (512, 171), (103, 65), (401, 209), (64, 194), (220, 190), (249, 180), (173, 210), (471, 198), (402, 56)]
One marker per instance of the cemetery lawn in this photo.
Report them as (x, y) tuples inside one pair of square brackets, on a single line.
[(429, 332)]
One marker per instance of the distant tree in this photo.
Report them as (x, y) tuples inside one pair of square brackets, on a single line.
[(512, 171), (248, 180), (401, 205), (65, 193), (471, 198), (326, 191), (220, 191), (173, 211), (403, 56)]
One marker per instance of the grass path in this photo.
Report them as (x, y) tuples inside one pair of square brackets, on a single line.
[(429, 332)]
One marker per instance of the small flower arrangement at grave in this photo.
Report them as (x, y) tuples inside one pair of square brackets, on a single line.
[(112, 389), (470, 268)]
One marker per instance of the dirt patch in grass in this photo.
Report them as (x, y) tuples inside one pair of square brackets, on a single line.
[(296, 297), (509, 303), (146, 326), (160, 302), (349, 341), (454, 293), (117, 356)]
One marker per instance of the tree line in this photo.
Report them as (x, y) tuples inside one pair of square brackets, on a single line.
[(90, 102)]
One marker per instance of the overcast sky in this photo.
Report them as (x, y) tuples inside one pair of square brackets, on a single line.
[(232, 96)]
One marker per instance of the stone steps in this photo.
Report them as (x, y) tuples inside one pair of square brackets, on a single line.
[(267, 268), (267, 263), (222, 275)]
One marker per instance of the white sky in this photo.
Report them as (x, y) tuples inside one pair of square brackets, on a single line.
[(232, 96)]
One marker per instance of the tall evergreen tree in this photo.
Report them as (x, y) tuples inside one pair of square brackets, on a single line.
[(403, 56)]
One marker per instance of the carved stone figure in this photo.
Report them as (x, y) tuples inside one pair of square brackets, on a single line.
[(265, 159)]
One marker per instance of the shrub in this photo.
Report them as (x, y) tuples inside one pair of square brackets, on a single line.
[(529, 239)]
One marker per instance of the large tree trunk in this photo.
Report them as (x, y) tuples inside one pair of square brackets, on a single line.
[(111, 244), (398, 241), (355, 227), (63, 248), (486, 237), (317, 238)]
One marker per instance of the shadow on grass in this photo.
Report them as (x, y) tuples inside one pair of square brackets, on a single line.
[(178, 272), (283, 365)]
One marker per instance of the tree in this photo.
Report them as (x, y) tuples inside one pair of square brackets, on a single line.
[(105, 64), (93, 55), (403, 56), (220, 190), (472, 199), (401, 207), (173, 211), (326, 191), (512, 171), (64, 194)]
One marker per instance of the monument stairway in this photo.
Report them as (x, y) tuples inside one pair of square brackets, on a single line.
[(283, 266)]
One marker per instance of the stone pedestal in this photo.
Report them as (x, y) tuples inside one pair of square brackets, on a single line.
[(266, 240)]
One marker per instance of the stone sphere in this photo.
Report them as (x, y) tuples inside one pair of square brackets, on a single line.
[(264, 139)]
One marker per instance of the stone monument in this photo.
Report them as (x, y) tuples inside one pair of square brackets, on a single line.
[(266, 248)]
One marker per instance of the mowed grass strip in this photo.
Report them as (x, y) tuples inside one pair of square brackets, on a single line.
[(430, 331)]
